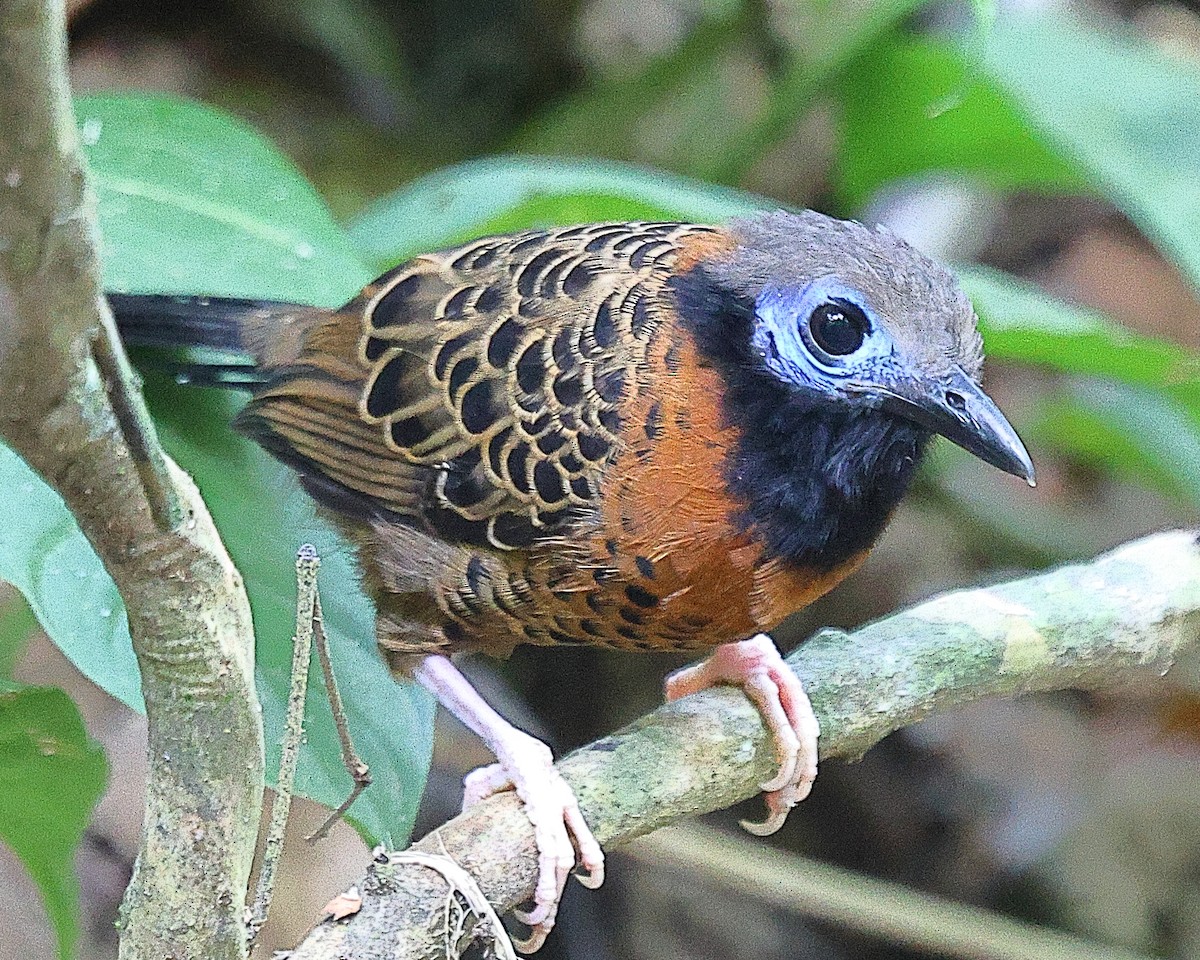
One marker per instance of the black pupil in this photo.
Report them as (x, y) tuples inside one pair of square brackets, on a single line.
[(838, 327)]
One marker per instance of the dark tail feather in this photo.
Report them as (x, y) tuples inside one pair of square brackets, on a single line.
[(208, 323)]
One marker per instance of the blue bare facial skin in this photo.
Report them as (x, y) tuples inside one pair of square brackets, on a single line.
[(826, 338)]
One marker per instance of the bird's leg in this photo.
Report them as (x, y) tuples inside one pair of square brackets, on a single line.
[(757, 667), (526, 765)]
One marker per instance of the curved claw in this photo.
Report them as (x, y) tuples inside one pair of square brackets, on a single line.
[(532, 943), (593, 879), (777, 814), (756, 666), (527, 766)]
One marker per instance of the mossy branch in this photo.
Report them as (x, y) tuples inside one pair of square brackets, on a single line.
[(70, 407), (1129, 614)]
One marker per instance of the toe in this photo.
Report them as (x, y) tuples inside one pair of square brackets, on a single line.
[(779, 805)]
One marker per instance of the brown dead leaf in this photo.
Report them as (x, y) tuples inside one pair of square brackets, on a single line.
[(344, 904)]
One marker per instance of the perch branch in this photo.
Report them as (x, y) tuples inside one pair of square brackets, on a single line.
[(71, 408), (1128, 615)]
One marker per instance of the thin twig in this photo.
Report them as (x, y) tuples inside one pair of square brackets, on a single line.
[(136, 425), (358, 770), (307, 565)]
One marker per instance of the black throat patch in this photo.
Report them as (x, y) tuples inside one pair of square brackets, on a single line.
[(818, 480)]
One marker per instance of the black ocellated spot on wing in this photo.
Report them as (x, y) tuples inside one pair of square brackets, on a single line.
[(530, 275), (460, 373), (637, 303), (603, 240), (475, 256), (568, 389), (490, 300), (552, 281), (517, 468), (594, 448), (385, 388), (648, 253), (604, 325), (374, 349), (399, 304), (503, 343), (577, 281), (563, 350), (512, 531), (531, 368), (482, 408), (501, 366), (526, 243), (548, 483), (450, 351), (497, 450), (463, 483), (582, 489)]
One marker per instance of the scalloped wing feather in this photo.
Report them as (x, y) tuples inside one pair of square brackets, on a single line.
[(478, 389)]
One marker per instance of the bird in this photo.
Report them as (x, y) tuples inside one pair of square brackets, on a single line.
[(647, 436)]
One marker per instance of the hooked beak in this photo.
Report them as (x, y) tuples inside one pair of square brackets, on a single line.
[(957, 408)]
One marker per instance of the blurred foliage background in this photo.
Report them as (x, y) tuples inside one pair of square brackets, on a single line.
[(1050, 151)]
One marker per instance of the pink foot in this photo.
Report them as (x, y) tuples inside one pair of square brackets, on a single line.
[(756, 666), (526, 766)]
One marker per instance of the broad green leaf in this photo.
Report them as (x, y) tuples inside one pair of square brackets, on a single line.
[(1021, 323), (1119, 110), (43, 554), (51, 775), (188, 184), (1137, 433), (194, 202), (513, 193), (17, 624), (914, 105)]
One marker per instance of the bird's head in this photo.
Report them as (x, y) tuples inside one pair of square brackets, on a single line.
[(862, 321)]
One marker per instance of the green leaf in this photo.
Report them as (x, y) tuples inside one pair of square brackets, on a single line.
[(194, 202), (1142, 434), (44, 555), (17, 623), (916, 105), (1022, 323), (1117, 109), (513, 193), (51, 775)]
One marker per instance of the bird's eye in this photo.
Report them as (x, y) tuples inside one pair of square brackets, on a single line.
[(838, 327)]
